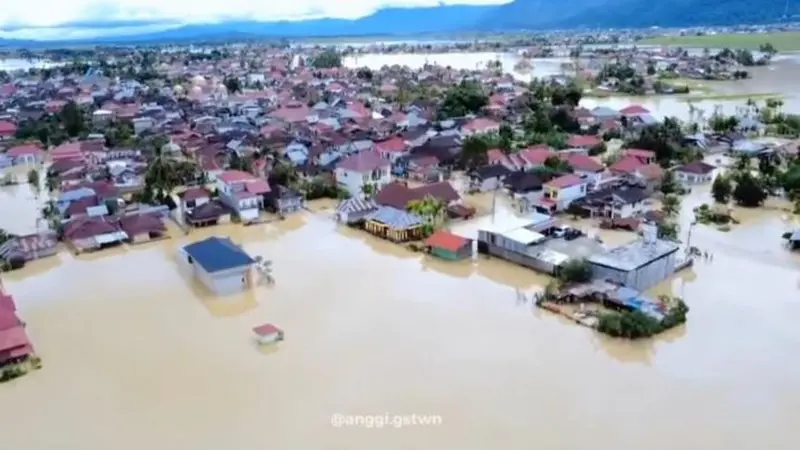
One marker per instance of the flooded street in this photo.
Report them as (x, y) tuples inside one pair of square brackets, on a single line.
[(137, 356)]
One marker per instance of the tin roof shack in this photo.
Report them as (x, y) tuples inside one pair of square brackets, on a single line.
[(639, 265), (447, 245), (519, 241), (222, 266)]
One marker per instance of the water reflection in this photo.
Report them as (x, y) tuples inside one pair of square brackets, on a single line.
[(457, 269)]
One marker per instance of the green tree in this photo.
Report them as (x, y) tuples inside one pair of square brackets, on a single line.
[(33, 181), (721, 189), (233, 85), (506, 135), (669, 185), (749, 191), (71, 118), (671, 205), (575, 271), (474, 152), (668, 229), (326, 59), (557, 164), (463, 99)]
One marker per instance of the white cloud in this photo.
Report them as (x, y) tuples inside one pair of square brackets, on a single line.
[(52, 13)]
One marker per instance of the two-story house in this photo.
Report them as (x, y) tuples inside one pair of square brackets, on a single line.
[(560, 192), (585, 167), (363, 173), (242, 192)]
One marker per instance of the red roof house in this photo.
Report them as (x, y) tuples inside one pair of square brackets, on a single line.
[(7, 129)]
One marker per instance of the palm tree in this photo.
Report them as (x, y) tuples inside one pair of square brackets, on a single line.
[(51, 183), (671, 205), (33, 179), (429, 208)]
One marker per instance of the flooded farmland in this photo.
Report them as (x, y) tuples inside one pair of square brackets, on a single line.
[(137, 356), (778, 79)]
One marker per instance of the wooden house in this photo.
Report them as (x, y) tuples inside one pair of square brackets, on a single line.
[(394, 224)]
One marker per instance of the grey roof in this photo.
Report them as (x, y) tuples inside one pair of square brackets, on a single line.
[(634, 255), (76, 194), (604, 111), (395, 218), (354, 204)]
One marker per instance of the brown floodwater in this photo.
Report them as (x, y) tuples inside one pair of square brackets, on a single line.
[(137, 356)]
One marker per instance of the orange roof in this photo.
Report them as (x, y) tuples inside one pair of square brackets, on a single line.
[(446, 241)]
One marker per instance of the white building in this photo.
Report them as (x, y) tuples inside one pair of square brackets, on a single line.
[(695, 172), (366, 168), (242, 192), (222, 266)]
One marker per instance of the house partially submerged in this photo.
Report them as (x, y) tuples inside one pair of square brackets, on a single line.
[(639, 265), (14, 344), (354, 210), (447, 245), (222, 266)]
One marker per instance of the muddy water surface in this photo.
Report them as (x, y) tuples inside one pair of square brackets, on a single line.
[(137, 356)]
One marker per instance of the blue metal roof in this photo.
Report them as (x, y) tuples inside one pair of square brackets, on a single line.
[(216, 254)]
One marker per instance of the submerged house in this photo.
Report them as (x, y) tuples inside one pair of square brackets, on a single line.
[(14, 343), (394, 224), (354, 210), (92, 233), (30, 247), (639, 265), (222, 266), (142, 227), (447, 245)]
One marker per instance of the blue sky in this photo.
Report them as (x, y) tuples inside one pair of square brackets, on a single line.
[(50, 19)]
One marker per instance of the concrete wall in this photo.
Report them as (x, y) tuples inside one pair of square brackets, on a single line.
[(517, 257)]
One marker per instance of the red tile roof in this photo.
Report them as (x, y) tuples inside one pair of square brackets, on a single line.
[(580, 141), (398, 195), (640, 153), (446, 240), (583, 163), (393, 145), (7, 127), (266, 329), (364, 162), (628, 164), (26, 149), (634, 110), (565, 181), (141, 224), (194, 193), (536, 156), (696, 167), (480, 124), (235, 176)]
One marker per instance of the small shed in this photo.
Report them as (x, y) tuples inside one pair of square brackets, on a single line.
[(447, 245), (268, 333), (222, 266)]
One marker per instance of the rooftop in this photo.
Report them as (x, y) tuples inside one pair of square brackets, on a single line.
[(634, 255), (216, 254)]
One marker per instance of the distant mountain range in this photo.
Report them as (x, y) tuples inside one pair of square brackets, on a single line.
[(517, 15)]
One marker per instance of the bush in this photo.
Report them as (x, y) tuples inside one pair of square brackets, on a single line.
[(575, 271), (637, 325)]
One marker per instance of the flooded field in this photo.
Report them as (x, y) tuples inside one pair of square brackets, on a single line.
[(137, 356), (779, 79)]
